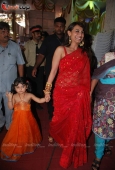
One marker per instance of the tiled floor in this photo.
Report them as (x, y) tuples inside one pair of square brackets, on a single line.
[(46, 157)]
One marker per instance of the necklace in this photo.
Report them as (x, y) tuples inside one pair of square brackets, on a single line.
[(21, 99)]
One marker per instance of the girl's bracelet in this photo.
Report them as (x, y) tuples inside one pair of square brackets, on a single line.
[(9, 100)]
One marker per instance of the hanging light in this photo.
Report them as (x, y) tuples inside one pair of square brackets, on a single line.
[(21, 20), (3, 16)]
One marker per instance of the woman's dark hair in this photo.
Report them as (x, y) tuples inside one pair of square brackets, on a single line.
[(70, 28), (87, 44), (20, 80), (93, 60)]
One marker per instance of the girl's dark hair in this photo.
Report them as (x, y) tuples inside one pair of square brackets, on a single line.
[(20, 80), (70, 28)]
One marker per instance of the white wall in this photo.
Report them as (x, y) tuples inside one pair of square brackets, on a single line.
[(109, 22)]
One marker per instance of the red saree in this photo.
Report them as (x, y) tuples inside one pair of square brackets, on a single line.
[(71, 123)]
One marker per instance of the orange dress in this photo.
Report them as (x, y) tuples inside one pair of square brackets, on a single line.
[(23, 135)]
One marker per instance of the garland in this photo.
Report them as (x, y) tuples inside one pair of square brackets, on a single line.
[(45, 5)]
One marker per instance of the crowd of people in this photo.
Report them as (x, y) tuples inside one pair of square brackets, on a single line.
[(73, 81)]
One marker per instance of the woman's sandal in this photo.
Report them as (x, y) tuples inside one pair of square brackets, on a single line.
[(50, 139), (107, 150), (96, 164)]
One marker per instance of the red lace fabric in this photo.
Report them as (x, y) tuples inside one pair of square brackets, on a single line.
[(23, 135), (71, 123)]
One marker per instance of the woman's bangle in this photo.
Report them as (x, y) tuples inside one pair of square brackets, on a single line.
[(46, 92), (48, 88), (48, 84), (9, 100)]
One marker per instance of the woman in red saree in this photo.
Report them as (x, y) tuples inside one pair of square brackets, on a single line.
[(71, 123)]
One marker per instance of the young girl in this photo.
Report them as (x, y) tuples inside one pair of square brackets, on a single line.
[(24, 135)]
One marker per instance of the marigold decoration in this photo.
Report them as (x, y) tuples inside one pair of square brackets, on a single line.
[(44, 5)]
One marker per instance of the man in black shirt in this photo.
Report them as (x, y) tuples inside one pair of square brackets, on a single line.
[(47, 50)]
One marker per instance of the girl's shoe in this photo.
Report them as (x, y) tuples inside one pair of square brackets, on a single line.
[(107, 150), (96, 164)]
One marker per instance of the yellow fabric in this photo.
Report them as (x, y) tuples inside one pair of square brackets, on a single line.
[(30, 52)]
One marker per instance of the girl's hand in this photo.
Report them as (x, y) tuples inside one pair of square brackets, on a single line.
[(47, 97), (9, 95)]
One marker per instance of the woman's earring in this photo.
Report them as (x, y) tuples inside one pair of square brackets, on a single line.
[(69, 40), (81, 44)]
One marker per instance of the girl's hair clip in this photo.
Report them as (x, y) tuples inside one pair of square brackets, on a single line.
[(27, 81)]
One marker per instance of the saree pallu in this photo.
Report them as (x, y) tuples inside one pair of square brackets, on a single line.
[(104, 105), (71, 123)]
